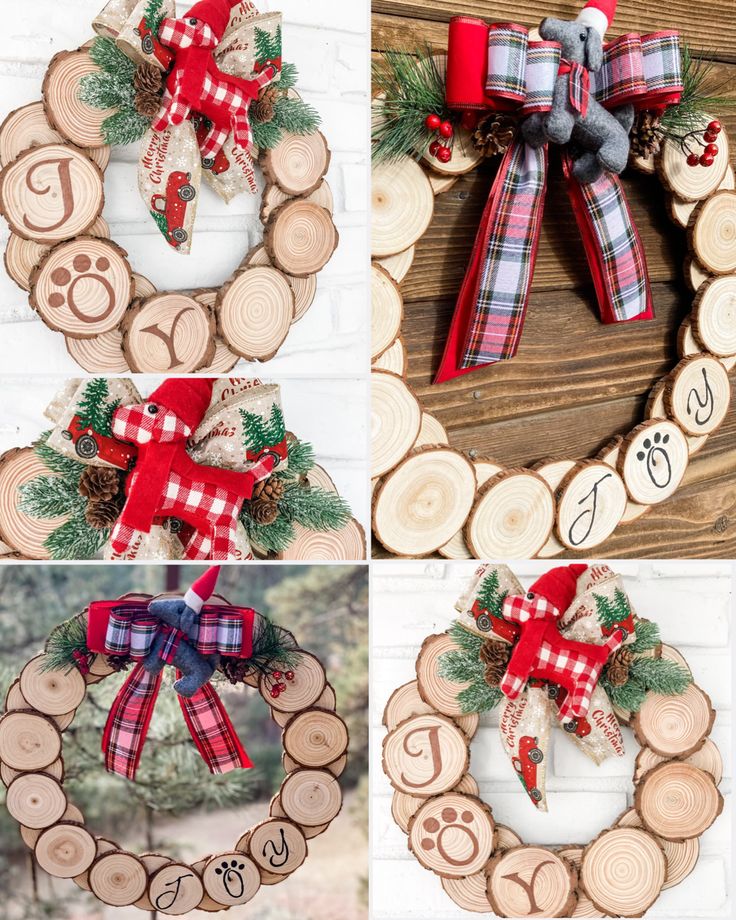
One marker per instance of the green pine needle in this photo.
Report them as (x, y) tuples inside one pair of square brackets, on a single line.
[(296, 116), (288, 77), (64, 466), (126, 126), (271, 538), (67, 638), (274, 648), (647, 637), (75, 539), (314, 508), (702, 97), (479, 697), (463, 665), (460, 667), (105, 91), (109, 58), (266, 134), (629, 697), (301, 459), (49, 497), (661, 676), (468, 641)]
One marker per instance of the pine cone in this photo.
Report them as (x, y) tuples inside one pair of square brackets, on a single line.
[(99, 483), (119, 662), (495, 656), (148, 78), (264, 511), (494, 134), (646, 135), (618, 667), (147, 104), (101, 515), (264, 107), (234, 669), (272, 489)]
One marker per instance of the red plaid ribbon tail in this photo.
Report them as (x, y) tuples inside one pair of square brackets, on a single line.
[(213, 732), (489, 314)]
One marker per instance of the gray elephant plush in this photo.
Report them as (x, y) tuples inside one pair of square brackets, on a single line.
[(600, 138), (196, 668)]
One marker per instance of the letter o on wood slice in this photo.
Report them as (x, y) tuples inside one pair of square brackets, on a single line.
[(531, 881), (304, 289), (425, 755), (65, 850), (453, 835), (51, 193), (687, 182), (396, 418), (53, 693), (303, 691), (387, 310), (590, 504), (697, 394), (677, 801), (311, 797), (298, 163), (402, 206), (469, 892), (168, 332), (35, 800), (422, 503), (28, 741), (300, 238), (231, 878), (102, 354), (315, 738), (652, 461), (435, 690), (82, 287), (713, 233), (255, 311), (118, 879), (78, 122), (714, 316), (623, 871), (681, 857), (277, 846), (512, 518), (176, 889)]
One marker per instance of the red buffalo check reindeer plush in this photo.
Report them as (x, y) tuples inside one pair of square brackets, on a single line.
[(196, 84), (541, 651), (166, 482)]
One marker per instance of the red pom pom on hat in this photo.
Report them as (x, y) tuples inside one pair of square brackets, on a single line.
[(188, 398), (202, 589), (559, 585)]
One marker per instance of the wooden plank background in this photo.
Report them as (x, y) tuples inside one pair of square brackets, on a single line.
[(575, 383)]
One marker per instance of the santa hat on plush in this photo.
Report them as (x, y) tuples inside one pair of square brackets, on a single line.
[(559, 586), (214, 13), (189, 399), (202, 589), (598, 14)]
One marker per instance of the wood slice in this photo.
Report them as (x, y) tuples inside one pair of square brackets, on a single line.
[(276, 811), (465, 158), (402, 206), (469, 892), (530, 881), (435, 690), (65, 850), (305, 289), (680, 857), (278, 846), (425, 755), (387, 310), (697, 394), (254, 312), (687, 182), (75, 120), (300, 238), (393, 359), (404, 807), (176, 889), (676, 801), (431, 432), (346, 544), (298, 163), (301, 692), (102, 355), (623, 871), (441, 184), (656, 408), (652, 461), (273, 197), (82, 287), (52, 693), (231, 878), (142, 286), (590, 504), (695, 275), (452, 835), (21, 258), (457, 548), (674, 726), (404, 703), (28, 741), (398, 265), (315, 738), (686, 342), (328, 698), (679, 211), (712, 233), (23, 128), (168, 332), (424, 501), (714, 316), (319, 478), (512, 517), (51, 193), (644, 164), (35, 800), (396, 418), (8, 774), (311, 797)]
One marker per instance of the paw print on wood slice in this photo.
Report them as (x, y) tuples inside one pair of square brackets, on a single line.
[(231, 878), (277, 846), (168, 333), (176, 889), (531, 881), (453, 835), (82, 287), (653, 460), (425, 755)]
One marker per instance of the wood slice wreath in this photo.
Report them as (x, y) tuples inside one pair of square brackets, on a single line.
[(486, 867), (515, 515), (315, 739)]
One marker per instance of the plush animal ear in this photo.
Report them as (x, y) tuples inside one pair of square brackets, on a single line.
[(594, 50), (547, 29)]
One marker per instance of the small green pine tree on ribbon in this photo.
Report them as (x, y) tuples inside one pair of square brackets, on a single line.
[(95, 408), (489, 597), (259, 434), (154, 14), (268, 47), (611, 612)]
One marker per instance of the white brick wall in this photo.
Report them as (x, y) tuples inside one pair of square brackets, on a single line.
[(691, 601), (327, 40)]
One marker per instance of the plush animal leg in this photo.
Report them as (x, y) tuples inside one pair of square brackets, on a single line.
[(511, 685), (586, 168), (533, 130), (199, 546), (195, 668), (223, 539), (625, 117), (173, 110), (613, 154), (122, 538), (213, 142), (560, 120)]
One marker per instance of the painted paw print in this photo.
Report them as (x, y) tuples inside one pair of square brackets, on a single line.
[(451, 836), (656, 459), (229, 866), (91, 287)]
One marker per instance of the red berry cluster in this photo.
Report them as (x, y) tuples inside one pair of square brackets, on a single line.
[(278, 688), (441, 151), (708, 142)]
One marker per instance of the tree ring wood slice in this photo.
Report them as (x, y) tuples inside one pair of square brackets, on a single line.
[(254, 312), (8, 774), (277, 846), (75, 120), (168, 333), (305, 289), (387, 310), (674, 726), (53, 693), (300, 238), (656, 408), (584, 906), (553, 472), (118, 878), (425, 755), (441, 184), (82, 287), (393, 359), (102, 354), (680, 212), (424, 501), (298, 163), (623, 871), (28, 741), (686, 342), (590, 504), (404, 807), (697, 394), (35, 800), (452, 835), (398, 265), (677, 801), (276, 811), (512, 517), (531, 881), (76, 193), (695, 274), (319, 478), (402, 206), (274, 197), (714, 316), (315, 738), (713, 233), (230, 879), (143, 287), (431, 432), (681, 857), (404, 703), (396, 418), (469, 892), (21, 258), (437, 691), (23, 128), (311, 797), (65, 850), (301, 692), (653, 461), (175, 890), (690, 183), (346, 544)]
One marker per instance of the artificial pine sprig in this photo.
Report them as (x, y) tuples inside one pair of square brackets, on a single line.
[(112, 88), (700, 99), (464, 665), (646, 674), (67, 639)]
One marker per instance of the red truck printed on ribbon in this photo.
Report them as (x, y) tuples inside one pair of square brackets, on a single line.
[(90, 444), (170, 209), (526, 764)]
